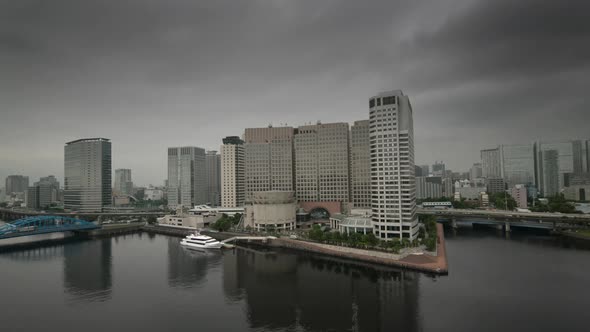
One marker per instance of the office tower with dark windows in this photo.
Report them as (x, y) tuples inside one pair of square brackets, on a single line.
[(213, 168), (232, 172), (16, 184), (322, 163), (393, 186), (518, 164), (360, 165), (87, 174), (490, 163), (123, 182), (187, 185)]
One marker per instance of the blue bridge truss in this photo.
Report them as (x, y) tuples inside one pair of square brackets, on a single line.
[(44, 224)]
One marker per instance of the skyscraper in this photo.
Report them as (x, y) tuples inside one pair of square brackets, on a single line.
[(232, 172), (556, 165), (549, 170), (439, 169), (322, 163), (393, 186), (360, 164), (268, 155), (213, 167), (87, 174), (123, 182), (186, 176), (490, 164), (476, 171), (518, 164), (16, 184)]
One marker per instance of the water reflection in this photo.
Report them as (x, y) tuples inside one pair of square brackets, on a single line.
[(87, 270), (188, 268), (34, 254), (319, 294)]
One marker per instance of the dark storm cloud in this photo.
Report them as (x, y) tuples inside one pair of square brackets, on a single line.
[(151, 74)]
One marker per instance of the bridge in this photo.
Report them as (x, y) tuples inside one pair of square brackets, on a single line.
[(510, 218), (13, 214), (43, 225)]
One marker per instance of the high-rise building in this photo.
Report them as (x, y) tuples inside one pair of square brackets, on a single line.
[(123, 182), (579, 156), (322, 163), (549, 170), (565, 158), (439, 169), (16, 184), (360, 165), (232, 172), (425, 170), (490, 163), (213, 168), (476, 171), (268, 154), (48, 191), (518, 164), (87, 170), (393, 186), (32, 197), (187, 185)]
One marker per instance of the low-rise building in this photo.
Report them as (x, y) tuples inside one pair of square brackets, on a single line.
[(358, 221), (519, 193), (271, 210)]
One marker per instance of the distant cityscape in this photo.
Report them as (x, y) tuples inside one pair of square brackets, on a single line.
[(283, 176)]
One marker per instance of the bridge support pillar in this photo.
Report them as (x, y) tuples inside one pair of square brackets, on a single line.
[(454, 223), (500, 227), (507, 227)]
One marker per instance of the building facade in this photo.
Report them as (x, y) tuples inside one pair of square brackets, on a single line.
[(429, 187), (269, 163), (393, 187), (272, 210), (360, 164), (476, 171), (213, 170), (490, 164), (322, 163), (519, 193), (518, 164), (87, 174), (187, 184), (123, 182), (232, 172), (16, 184)]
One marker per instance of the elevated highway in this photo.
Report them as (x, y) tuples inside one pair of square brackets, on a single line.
[(13, 214)]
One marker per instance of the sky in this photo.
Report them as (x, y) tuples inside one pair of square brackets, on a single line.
[(152, 74)]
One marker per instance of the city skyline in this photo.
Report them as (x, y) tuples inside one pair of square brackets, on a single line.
[(494, 81)]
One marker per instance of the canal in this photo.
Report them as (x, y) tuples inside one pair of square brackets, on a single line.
[(141, 282)]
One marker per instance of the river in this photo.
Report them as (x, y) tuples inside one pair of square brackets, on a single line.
[(142, 282)]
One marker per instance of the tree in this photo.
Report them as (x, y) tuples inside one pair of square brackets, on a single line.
[(503, 201), (152, 220)]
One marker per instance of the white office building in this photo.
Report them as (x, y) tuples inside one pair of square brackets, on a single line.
[(232, 172), (393, 186)]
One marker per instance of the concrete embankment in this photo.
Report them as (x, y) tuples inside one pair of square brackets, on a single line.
[(165, 230), (436, 264), (115, 229)]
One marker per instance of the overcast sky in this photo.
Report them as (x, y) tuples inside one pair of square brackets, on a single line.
[(150, 74)]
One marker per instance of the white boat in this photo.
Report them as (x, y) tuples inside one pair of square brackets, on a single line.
[(199, 241)]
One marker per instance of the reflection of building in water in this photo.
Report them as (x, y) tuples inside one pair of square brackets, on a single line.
[(37, 254), (286, 290), (186, 268), (87, 269)]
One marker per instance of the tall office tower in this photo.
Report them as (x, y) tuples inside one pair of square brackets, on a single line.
[(16, 184), (268, 154), (490, 164), (322, 163), (429, 187), (123, 182), (393, 186), (213, 167), (425, 170), (87, 181), (587, 150), (232, 172), (565, 164), (549, 171), (47, 190), (186, 177), (579, 156), (439, 169), (517, 164), (476, 171), (360, 164)]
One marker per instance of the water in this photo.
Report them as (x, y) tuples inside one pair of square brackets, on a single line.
[(142, 282)]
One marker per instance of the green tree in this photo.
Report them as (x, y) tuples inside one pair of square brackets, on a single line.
[(152, 220), (503, 201)]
